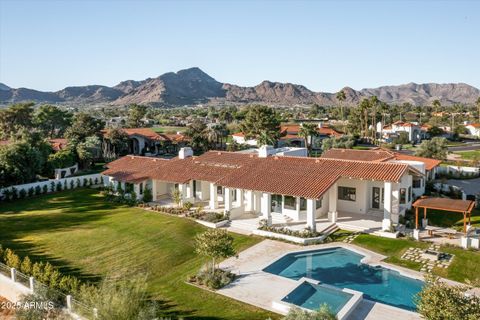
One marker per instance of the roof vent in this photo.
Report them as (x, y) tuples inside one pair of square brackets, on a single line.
[(185, 152)]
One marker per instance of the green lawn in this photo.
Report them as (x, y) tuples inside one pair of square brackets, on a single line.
[(169, 129), (450, 219), (88, 237), (464, 266), (469, 155)]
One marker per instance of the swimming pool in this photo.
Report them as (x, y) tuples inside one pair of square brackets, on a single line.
[(342, 268), (311, 296)]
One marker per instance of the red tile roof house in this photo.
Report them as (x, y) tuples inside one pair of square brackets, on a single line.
[(145, 141), (290, 136), (284, 189), (414, 131)]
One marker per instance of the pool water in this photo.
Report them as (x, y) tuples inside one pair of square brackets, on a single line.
[(342, 268), (312, 296)]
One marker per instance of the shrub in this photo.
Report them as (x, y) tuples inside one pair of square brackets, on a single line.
[(187, 205), (78, 183), (52, 186), (11, 259), (72, 184), (22, 193), (306, 233), (213, 217), (14, 194), (47, 272), (59, 186), (45, 188), (215, 280), (7, 194), (37, 269), (26, 266), (324, 313), (90, 182), (147, 195), (38, 190), (96, 180), (31, 191), (2, 252), (85, 182)]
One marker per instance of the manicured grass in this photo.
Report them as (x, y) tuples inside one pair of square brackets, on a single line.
[(451, 219), (169, 129), (464, 266), (86, 236), (469, 155)]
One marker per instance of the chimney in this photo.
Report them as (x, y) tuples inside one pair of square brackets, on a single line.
[(264, 151), (185, 153)]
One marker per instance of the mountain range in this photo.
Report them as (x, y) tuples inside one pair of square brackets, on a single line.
[(193, 86)]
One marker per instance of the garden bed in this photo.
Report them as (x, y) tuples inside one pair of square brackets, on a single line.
[(290, 238)]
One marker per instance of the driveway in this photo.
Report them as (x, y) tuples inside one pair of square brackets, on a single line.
[(469, 186)]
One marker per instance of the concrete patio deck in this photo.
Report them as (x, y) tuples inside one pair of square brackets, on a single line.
[(259, 288)]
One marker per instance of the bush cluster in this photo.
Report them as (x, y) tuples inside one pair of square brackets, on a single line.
[(120, 196), (213, 217), (42, 272), (215, 279), (306, 233)]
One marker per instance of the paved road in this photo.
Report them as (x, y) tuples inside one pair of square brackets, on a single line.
[(469, 147), (470, 186)]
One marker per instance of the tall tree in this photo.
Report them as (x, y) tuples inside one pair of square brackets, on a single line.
[(215, 244), (83, 126), (115, 143), (373, 105), (341, 97), (436, 149), (15, 118), (308, 131), (19, 163), (364, 106), (51, 120), (260, 119), (478, 108), (196, 134), (135, 115)]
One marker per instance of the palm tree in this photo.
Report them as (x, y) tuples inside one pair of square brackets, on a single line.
[(341, 97), (436, 105), (266, 138), (307, 132), (364, 106), (373, 103), (478, 106)]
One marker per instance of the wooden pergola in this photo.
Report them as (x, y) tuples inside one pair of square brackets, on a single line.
[(445, 204)]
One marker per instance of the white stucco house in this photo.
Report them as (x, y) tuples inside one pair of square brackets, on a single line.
[(473, 129), (413, 130), (301, 189)]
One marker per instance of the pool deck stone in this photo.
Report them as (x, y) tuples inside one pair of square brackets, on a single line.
[(258, 288)]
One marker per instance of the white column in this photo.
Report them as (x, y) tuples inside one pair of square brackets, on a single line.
[(13, 274), (249, 206), (228, 199), (136, 189), (154, 190), (387, 206), (332, 203), (297, 208), (266, 206), (213, 196), (257, 207), (189, 192), (239, 201), (183, 190), (311, 214)]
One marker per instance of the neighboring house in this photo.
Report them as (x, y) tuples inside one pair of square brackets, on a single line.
[(290, 136), (145, 141), (413, 130), (300, 188), (426, 166), (58, 144), (473, 129)]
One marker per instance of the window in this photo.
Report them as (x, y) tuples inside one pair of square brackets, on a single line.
[(409, 194), (290, 202), (141, 188), (346, 193), (303, 204), (318, 203), (417, 183), (403, 195)]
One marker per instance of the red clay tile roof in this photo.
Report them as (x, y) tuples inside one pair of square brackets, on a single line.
[(361, 155), (295, 176), (58, 144), (152, 135), (378, 154), (133, 168), (475, 125)]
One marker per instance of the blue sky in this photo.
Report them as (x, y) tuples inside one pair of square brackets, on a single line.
[(324, 45)]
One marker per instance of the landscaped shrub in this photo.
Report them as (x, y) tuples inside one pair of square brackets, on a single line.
[(14, 194), (215, 280), (170, 210), (147, 195), (187, 205), (72, 184), (7, 194), (96, 180), (45, 188), (22, 194), (213, 217), (37, 269), (59, 186), (30, 191), (26, 265), (85, 182), (323, 313), (90, 182), (306, 233), (38, 190), (11, 259), (52, 186), (78, 183)]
